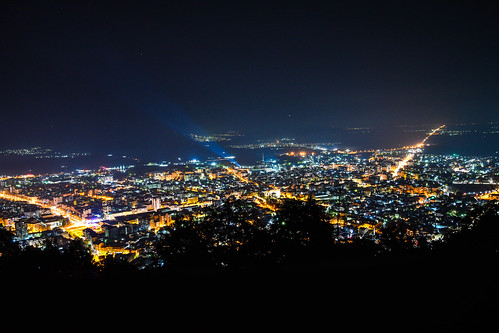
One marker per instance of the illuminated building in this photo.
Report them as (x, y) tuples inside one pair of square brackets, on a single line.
[(156, 203)]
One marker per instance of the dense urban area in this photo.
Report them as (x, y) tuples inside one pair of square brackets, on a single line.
[(222, 215)]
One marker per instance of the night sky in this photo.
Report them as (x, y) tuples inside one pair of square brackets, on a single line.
[(140, 77)]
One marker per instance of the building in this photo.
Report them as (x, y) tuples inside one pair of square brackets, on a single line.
[(156, 203)]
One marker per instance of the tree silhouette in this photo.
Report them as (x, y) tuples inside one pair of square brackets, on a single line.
[(395, 237), (7, 245), (115, 267), (303, 221), (301, 229), (235, 234), (47, 262), (479, 239), (181, 246)]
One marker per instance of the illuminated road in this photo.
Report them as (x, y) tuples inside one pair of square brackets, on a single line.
[(34, 201), (262, 202), (402, 164), (491, 195), (410, 156), (77, 223)]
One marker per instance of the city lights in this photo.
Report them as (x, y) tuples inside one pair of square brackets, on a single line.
[(361, 190)]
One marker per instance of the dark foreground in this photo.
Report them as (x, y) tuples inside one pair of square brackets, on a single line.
[(452, 286), (396, 294)]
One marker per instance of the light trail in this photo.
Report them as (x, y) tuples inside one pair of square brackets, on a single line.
[(491, 195), (257, 199), (402, 164)]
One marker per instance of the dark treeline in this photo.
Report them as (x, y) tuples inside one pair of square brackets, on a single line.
[(48, 262), (236, 238), (232, 261)]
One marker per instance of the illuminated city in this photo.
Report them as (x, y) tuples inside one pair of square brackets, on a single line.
[(238, 164), (121, 212)]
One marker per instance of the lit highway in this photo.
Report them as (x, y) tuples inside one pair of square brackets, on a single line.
[(410, 156)]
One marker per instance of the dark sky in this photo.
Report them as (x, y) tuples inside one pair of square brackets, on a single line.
[(101, 75)]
